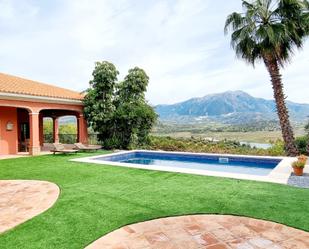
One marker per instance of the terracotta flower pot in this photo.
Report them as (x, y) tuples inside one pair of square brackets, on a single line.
[(298, 171)]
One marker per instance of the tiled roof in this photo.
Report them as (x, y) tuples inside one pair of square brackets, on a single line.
[(17, 85)]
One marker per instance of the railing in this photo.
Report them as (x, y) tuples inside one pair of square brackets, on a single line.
[(71, 138), (48, 138), (67, 138)]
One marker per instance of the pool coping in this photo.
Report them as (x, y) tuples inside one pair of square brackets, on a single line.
[(280, 174)]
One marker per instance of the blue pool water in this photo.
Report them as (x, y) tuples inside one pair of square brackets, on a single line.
[(241, 165)]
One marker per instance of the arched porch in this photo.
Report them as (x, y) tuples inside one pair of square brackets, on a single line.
[(54, 116), (21, 125)]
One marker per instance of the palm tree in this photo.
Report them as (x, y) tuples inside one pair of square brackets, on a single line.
[(269, 30)]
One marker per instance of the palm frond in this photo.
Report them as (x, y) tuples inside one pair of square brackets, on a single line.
[(233, 21), (271, 28)]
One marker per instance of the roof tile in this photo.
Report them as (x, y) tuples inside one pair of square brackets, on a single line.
[(17, 85)]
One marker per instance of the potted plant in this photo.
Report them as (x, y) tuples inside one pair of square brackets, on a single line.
[(298, 166)]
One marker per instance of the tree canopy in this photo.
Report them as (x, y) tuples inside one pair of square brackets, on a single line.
[(118, 111), (269, 29)]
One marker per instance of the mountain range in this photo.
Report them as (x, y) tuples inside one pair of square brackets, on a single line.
[(231, 107)]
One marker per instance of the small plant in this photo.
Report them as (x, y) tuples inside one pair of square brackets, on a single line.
[(299, 165)]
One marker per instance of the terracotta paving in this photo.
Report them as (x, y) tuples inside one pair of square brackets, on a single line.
[(21, 200), (204, 231), (12, 156)]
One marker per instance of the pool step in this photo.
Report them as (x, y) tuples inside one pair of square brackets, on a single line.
[(223, 160)]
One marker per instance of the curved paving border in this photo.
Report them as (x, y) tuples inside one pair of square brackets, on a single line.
[(204, 231), (21, 200)]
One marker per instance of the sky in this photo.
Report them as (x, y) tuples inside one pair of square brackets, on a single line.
[(179, 43)]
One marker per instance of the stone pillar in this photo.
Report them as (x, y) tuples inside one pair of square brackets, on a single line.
[(41, 129), (55, 129), (35, 147), (82, 131), (77, 129)]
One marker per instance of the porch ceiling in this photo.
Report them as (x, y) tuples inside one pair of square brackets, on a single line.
[(58, 113)]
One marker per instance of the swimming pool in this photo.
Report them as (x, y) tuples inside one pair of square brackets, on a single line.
[(201, 162), (272, 169)]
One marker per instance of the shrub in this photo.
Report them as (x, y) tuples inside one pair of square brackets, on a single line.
[(302, 144), (277, 149), (204, 146)]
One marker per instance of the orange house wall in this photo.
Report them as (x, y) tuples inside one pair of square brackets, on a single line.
[(8, 139)]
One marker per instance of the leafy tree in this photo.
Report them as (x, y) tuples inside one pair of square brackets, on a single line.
[(134, 116), (69, 128), (99, 107), (48, 126), (268, 30), (119, 112)]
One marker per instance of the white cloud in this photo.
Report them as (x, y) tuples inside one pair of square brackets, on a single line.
[(180, 44)]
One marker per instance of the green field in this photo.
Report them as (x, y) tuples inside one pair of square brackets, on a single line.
[(260, 132), (97, 199), (252, 136)]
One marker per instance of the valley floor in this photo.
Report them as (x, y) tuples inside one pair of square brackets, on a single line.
[(252, 136)]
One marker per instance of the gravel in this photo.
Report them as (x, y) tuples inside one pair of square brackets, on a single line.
[(299, 181)]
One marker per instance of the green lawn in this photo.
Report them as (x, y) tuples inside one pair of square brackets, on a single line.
[(97, 199)]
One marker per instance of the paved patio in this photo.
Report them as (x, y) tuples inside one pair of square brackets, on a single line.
[(204, 231), (23, 154), (21, 200), (13, 156)]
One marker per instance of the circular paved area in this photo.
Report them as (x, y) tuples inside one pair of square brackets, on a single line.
[(204, 231), (20, 200)]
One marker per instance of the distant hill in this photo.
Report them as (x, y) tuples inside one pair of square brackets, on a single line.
[(233, 107)]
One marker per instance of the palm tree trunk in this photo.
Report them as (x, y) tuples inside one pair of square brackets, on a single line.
[(286, 128)]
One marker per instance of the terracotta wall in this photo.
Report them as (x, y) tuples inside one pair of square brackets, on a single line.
[(8, 139)]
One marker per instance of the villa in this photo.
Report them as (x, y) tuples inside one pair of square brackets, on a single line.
[(23, 106), (136, 198)]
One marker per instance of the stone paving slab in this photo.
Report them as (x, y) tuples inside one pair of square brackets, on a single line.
[(204, 231), (21, 200)]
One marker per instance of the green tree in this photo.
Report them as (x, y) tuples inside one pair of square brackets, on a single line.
[(99, 107), (48, 126), (134, 117), (119, 112), (269, 30), (68, 128)]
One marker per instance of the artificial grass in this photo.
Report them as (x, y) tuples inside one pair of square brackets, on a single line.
[(97, 199)]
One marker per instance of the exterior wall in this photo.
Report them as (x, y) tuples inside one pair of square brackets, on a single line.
[(8, 139)]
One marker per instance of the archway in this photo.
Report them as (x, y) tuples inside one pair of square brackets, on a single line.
[(61, 126)]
